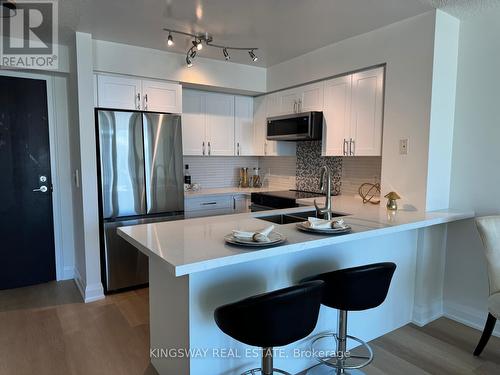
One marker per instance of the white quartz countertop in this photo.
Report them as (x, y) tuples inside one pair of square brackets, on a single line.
[(194, 245), (227, 191)]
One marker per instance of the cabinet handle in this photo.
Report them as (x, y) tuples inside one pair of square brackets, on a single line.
[(203, 148), (265, 148), (295, 106), (209, 149), (138, 101), (351, 147), (299, 105), (344, 148), (208, 203), (238, 148), (146, 102)]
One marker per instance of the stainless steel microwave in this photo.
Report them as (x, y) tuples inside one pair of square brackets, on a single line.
[(306, 126)]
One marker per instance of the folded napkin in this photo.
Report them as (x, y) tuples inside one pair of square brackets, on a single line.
[(316, 223), (258, 236)]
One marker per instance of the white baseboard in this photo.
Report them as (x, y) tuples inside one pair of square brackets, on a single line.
[(467, 315), (91, 292), (423, 315)]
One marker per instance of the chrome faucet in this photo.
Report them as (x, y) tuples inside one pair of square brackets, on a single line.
[(325, 212)]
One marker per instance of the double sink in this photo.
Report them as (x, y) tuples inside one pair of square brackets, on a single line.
[(295, 217)]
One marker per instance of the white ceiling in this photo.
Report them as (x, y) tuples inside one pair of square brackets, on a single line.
[(281, 29)]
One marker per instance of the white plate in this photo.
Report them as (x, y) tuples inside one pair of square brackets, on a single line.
[(306, 228), (275, 238)]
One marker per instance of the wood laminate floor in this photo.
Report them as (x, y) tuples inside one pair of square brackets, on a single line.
[(47, 330)]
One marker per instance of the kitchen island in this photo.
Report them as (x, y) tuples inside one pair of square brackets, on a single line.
[(192, 272)]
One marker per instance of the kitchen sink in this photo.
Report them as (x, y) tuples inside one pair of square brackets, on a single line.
[(296, 217)]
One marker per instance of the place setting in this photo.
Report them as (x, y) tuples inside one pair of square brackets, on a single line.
[(323, 226), (261, 238)]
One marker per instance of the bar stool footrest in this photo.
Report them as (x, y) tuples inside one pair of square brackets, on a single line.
[(325, 360), (258, 371)]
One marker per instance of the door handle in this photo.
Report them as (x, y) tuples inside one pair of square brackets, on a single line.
[(42, 189), (138, 101), (146, 102)]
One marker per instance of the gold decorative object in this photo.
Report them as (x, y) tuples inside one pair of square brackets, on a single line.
[(391, 200), (368, 191)]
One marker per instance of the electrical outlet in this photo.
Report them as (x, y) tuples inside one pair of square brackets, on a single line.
[(403, 146)]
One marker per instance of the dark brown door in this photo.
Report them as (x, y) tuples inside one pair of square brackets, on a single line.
[(27, 253)]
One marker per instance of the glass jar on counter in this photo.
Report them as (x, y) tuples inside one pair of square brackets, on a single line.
[(244, 182), (256, 180)]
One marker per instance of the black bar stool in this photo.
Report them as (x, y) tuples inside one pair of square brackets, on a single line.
[(352, 289), (272, 319)]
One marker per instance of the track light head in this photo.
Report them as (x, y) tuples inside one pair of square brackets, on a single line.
[(197, 43), (189, 62), (226, 54), (192, 54), (252, 56), (170, 40)]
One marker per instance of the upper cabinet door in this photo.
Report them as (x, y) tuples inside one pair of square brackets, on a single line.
[(220, 124), (289, 101), (159, 96), (119, 92), (336, 114), (367, 112), (243, 126), (194, 123), (272, 105), (259, 124), (311, 98)]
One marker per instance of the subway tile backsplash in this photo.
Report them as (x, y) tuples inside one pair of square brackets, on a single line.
[(287, 172)]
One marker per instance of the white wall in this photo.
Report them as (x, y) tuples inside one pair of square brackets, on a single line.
[(89, 273), (475, 177), (407, 48), (125, 59)]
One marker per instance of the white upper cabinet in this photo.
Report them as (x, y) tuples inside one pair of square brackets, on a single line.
[(272, 105), (220, 124), (120, 92), (289, 102), (159, 96), (208, 123), (310, 97), (243, 126), (337, 115), (366, 112), (194, 122), (353, 114)]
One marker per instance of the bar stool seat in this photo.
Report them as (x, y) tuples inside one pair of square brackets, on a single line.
[(352, 289), (272, 319)]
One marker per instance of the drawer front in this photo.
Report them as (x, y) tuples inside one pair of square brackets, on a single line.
[(208, 203)]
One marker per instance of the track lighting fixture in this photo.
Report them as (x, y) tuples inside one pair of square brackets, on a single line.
[(170, 40), (252, 56), (201, 38)]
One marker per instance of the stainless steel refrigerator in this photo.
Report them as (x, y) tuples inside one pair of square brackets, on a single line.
[(141, 181)]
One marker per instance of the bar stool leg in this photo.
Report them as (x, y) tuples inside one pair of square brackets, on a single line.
[(341, 340), (267, 361)]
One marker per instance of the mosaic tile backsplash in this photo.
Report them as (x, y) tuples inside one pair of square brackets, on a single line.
[(309, 162)]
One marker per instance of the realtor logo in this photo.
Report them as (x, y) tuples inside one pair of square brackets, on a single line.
[(29, 34)]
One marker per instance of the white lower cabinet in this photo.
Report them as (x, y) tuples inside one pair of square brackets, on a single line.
[(216, 205)]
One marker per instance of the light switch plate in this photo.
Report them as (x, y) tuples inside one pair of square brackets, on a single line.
[(403, 146)]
